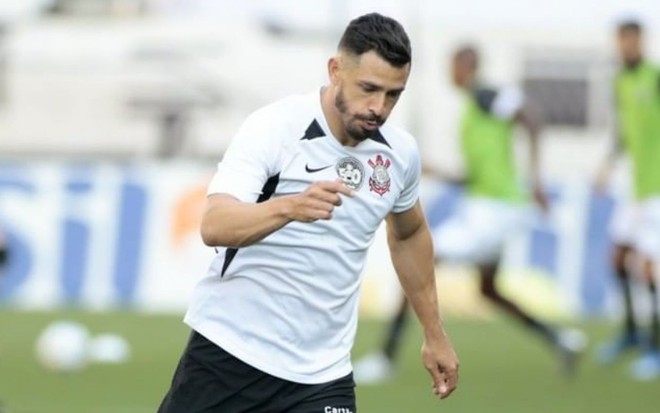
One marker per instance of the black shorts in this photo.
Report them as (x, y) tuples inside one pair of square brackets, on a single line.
[(208, 379)]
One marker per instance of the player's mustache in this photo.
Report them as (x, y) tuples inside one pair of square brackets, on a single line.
[(371, 118)]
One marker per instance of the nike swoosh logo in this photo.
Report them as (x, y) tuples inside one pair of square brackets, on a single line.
[(313, 170)]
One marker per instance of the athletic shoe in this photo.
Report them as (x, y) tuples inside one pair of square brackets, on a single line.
[(647, 367), (612, 351), (571, 343), (372, 369)]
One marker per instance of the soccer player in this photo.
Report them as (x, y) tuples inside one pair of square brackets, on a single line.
[(635, 227), (292, 209), (495, 208), (4, 253)]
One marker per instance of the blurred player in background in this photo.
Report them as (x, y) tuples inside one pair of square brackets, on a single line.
[(636, 226), (4, 256), (294, 205), (4, 253), (495, 208)]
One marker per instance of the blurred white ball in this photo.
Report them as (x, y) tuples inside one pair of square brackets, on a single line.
[(62, 346), (109, 348)]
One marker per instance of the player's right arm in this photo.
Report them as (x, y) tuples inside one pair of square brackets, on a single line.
[(605, 169), (237, 213), (614, 152), (510, 104), (229, 222), (530, 117)]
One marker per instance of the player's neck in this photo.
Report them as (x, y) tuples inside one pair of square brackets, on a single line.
[(633, 64), (333, 118)]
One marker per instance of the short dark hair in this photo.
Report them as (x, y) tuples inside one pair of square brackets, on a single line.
[(633, 26), (379, 33)]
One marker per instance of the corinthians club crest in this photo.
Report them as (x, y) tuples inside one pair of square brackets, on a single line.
[(379, 182), (351, 172)]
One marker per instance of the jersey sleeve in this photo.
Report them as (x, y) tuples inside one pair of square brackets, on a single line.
[(410, 193), (507, 103), (503, 103), (248, 162)]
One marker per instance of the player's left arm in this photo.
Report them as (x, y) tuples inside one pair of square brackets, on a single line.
[(530, 117), (431, 170), (411, 249)]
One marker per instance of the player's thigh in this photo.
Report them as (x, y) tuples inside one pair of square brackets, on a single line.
[(624, 222), (647, 237), (334, 397), (476, 234), (455, 242), (208, 380)]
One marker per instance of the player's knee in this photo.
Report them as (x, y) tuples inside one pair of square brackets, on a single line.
[(619, 269), (488, 290), (619, 260), (648, 271)]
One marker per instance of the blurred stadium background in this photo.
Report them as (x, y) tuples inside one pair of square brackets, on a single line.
[(113, 114)]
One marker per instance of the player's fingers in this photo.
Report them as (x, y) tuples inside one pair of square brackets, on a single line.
[(314, 214), (319, 214), (336, 186), (317, 203), (343, 189), (319, 209), (451, 380), (437, 377), (326, 196)]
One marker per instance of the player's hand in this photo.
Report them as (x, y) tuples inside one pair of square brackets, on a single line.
[(441, 362), (601, 182), (318, 201), (541, 199), (456, 180)]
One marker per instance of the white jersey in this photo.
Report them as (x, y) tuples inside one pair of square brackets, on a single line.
[(287, 305)]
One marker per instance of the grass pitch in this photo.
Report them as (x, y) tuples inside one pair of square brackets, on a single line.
[(503, 369)]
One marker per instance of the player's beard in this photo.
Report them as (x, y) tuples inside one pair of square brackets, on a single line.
[(351, 121)]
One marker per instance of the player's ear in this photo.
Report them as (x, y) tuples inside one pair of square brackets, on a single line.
[(334, 69)]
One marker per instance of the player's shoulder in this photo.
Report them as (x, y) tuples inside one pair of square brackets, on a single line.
[(283, 119), (655, 67), (652, 65), (485, 89), (285, 109), (486, 94), (623, 71), (500, 101)]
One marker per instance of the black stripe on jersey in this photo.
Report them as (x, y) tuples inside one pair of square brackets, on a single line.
[(266, 193), (229, 257), (485, 98), (378, 137), (269, 188), (313, 131)]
